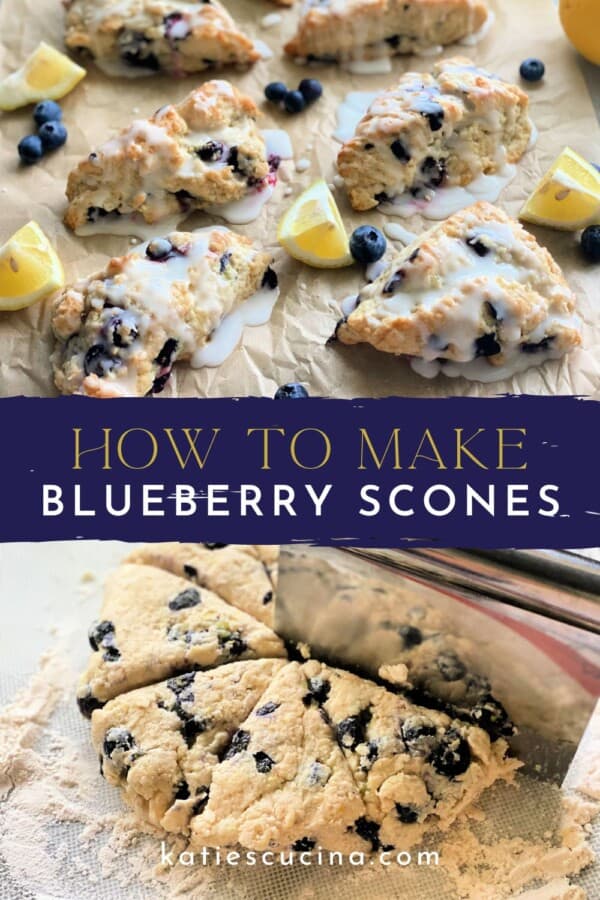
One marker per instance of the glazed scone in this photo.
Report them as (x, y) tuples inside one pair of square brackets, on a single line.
[(199, 154), (416, 768), (284, 782), (154, 625), (474, 296), (366, 29), (148, 36), (432, 131), (120, 331), (236, 576), (160, 744)]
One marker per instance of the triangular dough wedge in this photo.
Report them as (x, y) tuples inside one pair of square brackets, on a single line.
[(431, 131), (369, 29), (475, 296), (161, 743), (154, 625), (416, 768), (236, 576), (147, 36), (120, 331), (203, 153), (284, 781)]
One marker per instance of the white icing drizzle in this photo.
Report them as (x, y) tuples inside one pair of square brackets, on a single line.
[(439, 203), (263, 49), (424, 52), (302, 165), (270, 20), (278, 143), (350, 111), (382, 65), (375, 269), (349, 304), (254, 311), (244, 210), (129, 225), (397, 232)]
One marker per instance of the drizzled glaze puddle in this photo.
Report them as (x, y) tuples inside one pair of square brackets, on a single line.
[(254, 311)]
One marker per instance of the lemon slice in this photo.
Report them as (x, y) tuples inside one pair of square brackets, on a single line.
[(312, 230), (29, 269), (46, 75), (567, 197)]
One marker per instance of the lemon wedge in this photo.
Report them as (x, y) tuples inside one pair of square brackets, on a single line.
[(581, 23), (29, 269), (312, 229), (46, 75), (567, 197)]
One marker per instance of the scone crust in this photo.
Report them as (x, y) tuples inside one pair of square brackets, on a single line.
[(157, 35), (436, 298), (443, 129), (155, 167), (344, 29), (168, 316)]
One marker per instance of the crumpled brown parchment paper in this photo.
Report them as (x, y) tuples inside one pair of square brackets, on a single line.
[(293, 345)]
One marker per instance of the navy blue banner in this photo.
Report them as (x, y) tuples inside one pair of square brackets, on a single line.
[(511, 472)]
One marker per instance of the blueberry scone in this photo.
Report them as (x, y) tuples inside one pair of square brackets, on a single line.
[(160, 744), (154, 626), (284, 781), (475, 296), (430, 131), (237, 576), (202, 153), (415, 767), (120, 331), (147, 36), (355, 29)]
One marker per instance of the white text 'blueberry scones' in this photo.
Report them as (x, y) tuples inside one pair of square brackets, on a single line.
[(432, 131), (161, 743), (154, 625), (332, 30), (146, 36), (120, 331), (204, 153), (475, 296)]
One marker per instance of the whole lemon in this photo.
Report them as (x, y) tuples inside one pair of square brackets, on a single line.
[(581, 22)]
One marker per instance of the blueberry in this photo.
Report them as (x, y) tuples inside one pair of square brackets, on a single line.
[(304, 844), (52, 135), (214, 546), (434, 114), (318, 690), (117, 739), (276, 91), (186, 599), (181, 682), (123, 330), (419, 734), (159, 249), (263, 761), (239, 742), (191, 728), (452, 756), (291, 391), (87, 703), (97, 361), (165, 357), (352, 731), (233, 644), (270, 279), (267, 709), (268, 598), (590, 243), (477, 245), (367, 244), (394, 283), (31, 149), (201, 800), (532, 69), (400, 151), (410, 635), (368, 831), (490, 715), (539, 347), (487, 345), (47, 111), (311, 89), (434, 171), (406, 814), (451, 667), (182, 791), (294, 102), (212, 151), (190, 572), (98, 633)]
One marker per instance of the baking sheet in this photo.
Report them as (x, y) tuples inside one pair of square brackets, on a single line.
[(293, 345)]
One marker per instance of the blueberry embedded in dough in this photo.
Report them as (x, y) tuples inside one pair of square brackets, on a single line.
[(185, 599), (451, 667), (452, 756)]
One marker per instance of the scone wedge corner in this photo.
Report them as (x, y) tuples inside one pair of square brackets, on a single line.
[(150, 36), (120, 331), (201, 153), (435, 131), (161, 743), (367, 29), (155, 626), (475, 296)]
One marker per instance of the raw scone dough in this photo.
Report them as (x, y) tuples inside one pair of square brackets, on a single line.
[(203, 152), (431, 131), (147, 36), (415, 767), (155, 626), (237, 576), (475, 296), (120, 331), (161, 743), (284, 781), (369, 29)]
